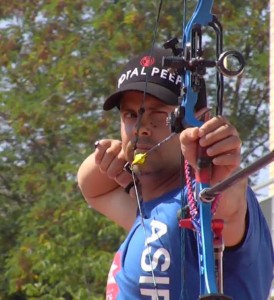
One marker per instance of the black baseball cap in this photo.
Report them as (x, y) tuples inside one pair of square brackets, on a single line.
[(145, 73)]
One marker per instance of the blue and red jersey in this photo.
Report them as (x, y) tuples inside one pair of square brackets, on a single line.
[(152, 254)]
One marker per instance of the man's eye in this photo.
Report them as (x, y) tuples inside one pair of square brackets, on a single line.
[(130, 115), (159, 118)]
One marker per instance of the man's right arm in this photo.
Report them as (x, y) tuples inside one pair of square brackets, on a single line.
[(102, 180)]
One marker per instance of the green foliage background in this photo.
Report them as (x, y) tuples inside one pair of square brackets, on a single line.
[(59, 59)]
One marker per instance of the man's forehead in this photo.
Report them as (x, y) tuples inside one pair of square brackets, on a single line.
[(133, 98)]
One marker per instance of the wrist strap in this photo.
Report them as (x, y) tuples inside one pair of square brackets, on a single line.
[(128, 187)]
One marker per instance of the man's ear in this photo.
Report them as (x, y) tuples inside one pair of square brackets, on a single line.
[(203, 114)]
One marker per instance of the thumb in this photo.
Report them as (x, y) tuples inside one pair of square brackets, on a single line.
[(189, 135), (189, 142)]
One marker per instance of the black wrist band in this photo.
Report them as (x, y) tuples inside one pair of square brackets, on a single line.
[(128, 187), (127, 167)]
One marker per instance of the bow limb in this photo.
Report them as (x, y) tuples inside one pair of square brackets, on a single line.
[(202, 15), (192, 39), (193, 85)]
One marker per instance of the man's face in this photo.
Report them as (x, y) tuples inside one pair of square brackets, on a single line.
[(151, 129)]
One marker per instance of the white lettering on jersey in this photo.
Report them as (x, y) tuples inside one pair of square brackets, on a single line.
[(159, 259), (158, 229), (112, 271), (149, 266), (157, 279), (154, 295)]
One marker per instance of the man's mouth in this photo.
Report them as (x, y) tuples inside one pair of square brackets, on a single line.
[(142, 147)]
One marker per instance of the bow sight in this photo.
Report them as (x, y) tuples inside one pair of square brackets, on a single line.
[(229, 63)]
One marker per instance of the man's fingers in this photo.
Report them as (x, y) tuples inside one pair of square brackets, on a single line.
[(106, 151), (189, 135), (212, 125), (220, 133), (233, 158), (116, 167), (189, 141), (230, 143), (123, 178), (106, 162), (96, 144), (221, 140), (100, 149)]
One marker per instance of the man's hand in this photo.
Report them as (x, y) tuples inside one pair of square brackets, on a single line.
[(102, 181), (222, 142), (110, 159)]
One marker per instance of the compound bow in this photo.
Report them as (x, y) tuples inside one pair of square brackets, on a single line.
[(189, 61), (193, 67)]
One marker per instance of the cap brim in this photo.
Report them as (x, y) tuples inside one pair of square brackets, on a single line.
[(160, 92)]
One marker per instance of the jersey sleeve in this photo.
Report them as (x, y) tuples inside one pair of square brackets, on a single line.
[(251, 262)]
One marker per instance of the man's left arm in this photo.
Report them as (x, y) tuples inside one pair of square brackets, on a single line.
[(233, 210), (223, 145)]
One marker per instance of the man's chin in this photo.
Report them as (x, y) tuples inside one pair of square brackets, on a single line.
[(144, 170)]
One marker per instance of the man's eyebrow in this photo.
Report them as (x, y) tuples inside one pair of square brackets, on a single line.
[(161, 107), (126, 107), (155, 107)]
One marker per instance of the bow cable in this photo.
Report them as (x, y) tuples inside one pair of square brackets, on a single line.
[(139, 159), (142, 107), (137, 187)]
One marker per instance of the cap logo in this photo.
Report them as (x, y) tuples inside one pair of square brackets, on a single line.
[(148, 68), (147, 61), (154, 72)]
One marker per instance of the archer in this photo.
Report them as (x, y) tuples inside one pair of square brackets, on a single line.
[(148, 264)]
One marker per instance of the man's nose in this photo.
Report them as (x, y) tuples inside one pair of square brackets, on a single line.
[(143, 126)]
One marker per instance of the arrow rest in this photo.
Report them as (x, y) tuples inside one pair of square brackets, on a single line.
[(175, 119)]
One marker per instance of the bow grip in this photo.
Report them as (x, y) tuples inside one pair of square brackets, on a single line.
[(204, 166)]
